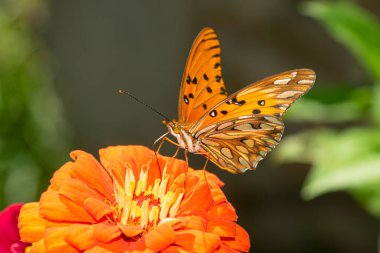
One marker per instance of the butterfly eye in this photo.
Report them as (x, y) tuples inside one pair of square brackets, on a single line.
[(176, 129)]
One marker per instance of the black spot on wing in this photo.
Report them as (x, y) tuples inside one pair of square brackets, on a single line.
[(213, 47), (188, 79), (256, 111)]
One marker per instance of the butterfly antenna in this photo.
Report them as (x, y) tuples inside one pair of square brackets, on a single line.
[(141, 102)]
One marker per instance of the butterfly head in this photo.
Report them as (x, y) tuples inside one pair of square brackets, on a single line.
[(172, 126)]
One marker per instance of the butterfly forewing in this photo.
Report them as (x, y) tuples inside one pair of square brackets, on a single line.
[(202, 85), (270, 96)]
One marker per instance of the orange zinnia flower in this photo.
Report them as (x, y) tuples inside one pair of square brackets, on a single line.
[(131, 201)]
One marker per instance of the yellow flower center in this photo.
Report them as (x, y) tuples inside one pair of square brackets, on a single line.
[(140, 204)]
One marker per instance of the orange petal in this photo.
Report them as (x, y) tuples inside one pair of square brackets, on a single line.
[(120, 246), (58, 208), (97, 208), (30, 223), (174, 249), (77, 191), (224, 249), (38, 247), (174, 168), (218, 195), (54, 241), (200, 199), (187, 181), (212, 179), (62, 174), (117, 157), (86, 236), (98, 249), (80, 236), (160, 237), (241, 241), (222, 227), (193, 222), (106, 233), (222, 210), (89, 170), (197, 241), (130, 231)]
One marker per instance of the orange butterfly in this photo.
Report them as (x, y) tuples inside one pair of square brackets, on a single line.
[(237, 131)]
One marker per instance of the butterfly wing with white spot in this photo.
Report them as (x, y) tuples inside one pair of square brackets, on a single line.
[(237, 146), (250, 119), (271, 96)]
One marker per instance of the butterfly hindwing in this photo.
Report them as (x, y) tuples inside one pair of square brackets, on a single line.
[(202, 84), (240, 144)]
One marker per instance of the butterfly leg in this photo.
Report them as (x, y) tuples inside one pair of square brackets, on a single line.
[(204, 166), (162, 139), (204, 170), (172, 142), (176, 152), (187, 166)]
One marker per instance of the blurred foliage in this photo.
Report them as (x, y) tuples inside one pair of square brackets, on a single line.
[(344, 149), (33, 136)]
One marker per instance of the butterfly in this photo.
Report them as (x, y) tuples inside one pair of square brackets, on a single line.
[(237, 131)]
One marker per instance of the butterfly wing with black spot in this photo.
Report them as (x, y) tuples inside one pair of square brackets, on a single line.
[(254, 114), (202, 84), (270, 96)]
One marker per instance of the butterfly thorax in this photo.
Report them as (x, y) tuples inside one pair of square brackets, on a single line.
[(184, 138)]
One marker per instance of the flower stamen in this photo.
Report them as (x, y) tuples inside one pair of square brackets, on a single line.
[(144, 205)]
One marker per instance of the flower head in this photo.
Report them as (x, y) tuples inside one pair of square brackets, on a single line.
[(9, 235), (133, 200)]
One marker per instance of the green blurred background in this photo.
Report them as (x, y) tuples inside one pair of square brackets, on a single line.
[(61, 63)]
